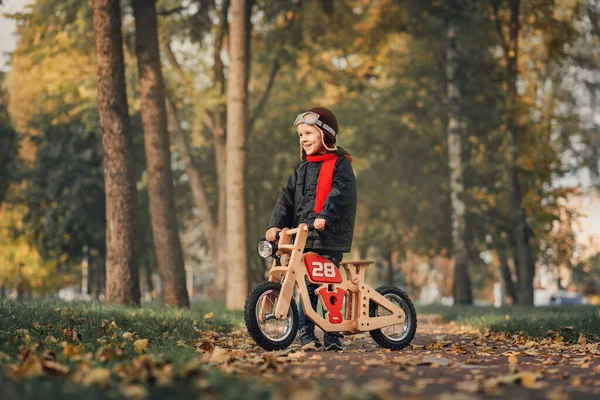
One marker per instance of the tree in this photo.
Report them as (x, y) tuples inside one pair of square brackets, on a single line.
[(462, 281), (8, 148), (122, 283), (237, 286), (169, 253)]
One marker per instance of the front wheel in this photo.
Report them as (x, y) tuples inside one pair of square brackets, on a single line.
[(394, 337), (267, 331)]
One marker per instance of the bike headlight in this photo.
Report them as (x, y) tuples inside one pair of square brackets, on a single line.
[(265, 249)]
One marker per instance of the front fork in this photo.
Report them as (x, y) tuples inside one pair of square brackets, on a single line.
[(287, 285), (277, 274)]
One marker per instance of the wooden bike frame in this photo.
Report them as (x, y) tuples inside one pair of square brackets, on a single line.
[(357, 298)]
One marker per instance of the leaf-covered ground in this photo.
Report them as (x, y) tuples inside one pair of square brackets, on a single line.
[(100, 352)]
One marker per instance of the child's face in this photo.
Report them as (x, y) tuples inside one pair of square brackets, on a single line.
[(310, 139)]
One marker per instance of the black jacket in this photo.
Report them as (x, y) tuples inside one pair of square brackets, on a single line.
[(296, 204)]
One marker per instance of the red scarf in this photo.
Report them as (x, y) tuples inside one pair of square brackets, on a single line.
[(325, 177)]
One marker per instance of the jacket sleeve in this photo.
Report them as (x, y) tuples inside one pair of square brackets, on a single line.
[(342, 194), (283, 212)]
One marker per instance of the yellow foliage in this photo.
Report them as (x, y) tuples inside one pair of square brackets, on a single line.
[(20, 263), (32, 79)]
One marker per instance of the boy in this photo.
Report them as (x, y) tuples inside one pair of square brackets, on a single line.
[(322, 190)]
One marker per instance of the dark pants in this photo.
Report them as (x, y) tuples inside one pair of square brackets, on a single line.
[(334, 256)]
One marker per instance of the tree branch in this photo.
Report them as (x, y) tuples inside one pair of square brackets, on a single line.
[(175, 64), (265, 96), (165, 13), (496, 20), (191, 169)]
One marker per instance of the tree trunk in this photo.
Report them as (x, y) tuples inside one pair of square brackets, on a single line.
[(169, 254), (192, 171), (462, 281), (220, 258), (122, 283), (521, 230), (148, 272), (506, 273), (100, 280), (390, 270), (237, 287), (215, 122)]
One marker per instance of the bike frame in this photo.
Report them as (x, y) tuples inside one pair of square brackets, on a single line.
[(357, 296)]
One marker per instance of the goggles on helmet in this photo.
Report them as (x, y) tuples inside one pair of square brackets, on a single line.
[(312, 118)]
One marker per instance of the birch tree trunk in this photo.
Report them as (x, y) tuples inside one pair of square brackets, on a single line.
[(462, 282), (236, 126), (122, 282), (169, 254)]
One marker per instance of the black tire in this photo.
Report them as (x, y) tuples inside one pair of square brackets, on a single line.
[(253, 325), (379, 336)]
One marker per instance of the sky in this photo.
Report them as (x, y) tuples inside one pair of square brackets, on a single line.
[(7, 29)]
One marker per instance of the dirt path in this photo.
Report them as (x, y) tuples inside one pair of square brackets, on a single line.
[(444, 362)]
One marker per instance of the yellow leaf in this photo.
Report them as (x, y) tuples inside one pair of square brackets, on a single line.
[(96, 376), (140, 345), (71, 352), (219, 356), (512, 359), (31, 366), (531, 352), (208, 316), (128, 336), (134, 391), (528, 380), (55, 367)]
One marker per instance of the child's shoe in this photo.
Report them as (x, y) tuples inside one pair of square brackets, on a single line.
[(308, 340), (332, 341)]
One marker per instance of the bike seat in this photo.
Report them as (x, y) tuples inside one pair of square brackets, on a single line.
[(355, 270)]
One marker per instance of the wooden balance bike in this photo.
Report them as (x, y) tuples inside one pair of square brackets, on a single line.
[(350, 305)]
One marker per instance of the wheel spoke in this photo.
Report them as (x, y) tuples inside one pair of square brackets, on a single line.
[(273, 328), (395, 332)]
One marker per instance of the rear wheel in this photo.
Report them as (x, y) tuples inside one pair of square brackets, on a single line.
[(394, 337), (267, 331)]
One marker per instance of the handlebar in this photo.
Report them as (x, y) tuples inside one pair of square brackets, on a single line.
[(310, 228)]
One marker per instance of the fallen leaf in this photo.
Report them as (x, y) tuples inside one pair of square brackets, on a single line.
[(531, 352), (219, 356), (128, 336), (71, 352), (96, 376), (206, 346), (30, 366), (300, 355), (208, 316), (468, 386), (55, 367), (140, 345), (134, 391), (373, 362)]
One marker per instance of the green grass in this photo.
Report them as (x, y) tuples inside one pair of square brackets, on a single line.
[(568, 321), (43, 327)]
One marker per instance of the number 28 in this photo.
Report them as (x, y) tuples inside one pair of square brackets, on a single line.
[(327, 270)]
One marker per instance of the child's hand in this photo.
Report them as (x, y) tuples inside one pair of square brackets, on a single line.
[(319, 224), (271, 234)]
